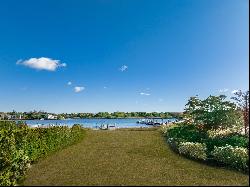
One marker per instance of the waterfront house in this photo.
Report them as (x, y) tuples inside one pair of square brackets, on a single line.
[(50, 116)]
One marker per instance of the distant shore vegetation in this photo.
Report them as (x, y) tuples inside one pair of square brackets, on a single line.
[(35, 115)]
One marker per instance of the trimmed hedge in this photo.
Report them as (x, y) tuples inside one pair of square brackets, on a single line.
[(21, 145)]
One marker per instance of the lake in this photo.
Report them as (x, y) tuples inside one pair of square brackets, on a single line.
[(93, 123)]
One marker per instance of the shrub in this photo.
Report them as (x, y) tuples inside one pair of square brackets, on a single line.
[(187, 132), (193, 150), (221, 132), (236, 157), (212, 131), (20, 145), (233, 140), (13, 160), (164, 128)]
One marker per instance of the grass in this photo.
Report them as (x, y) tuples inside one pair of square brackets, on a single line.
[(126, 157)]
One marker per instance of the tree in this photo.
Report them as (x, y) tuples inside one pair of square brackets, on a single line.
[(192, 108), (242, 100), (213, 112)]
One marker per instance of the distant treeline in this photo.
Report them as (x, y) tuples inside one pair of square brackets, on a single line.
[(124, 115), (44, 115)]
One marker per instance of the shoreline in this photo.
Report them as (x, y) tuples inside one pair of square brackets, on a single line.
[(86, 118)]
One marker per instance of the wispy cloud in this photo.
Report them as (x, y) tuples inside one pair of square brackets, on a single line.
[(42, 63), (223, 90), (123, 68), (147, 94), (78, 88), (69, 83)]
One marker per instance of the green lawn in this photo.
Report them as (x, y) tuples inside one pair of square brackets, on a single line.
[(126, 157)]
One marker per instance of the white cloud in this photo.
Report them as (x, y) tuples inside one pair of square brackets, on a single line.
[(69, 83), (223, 90), (234, 91), (142, 93), (123, 68), (42, 63), (79, 88)]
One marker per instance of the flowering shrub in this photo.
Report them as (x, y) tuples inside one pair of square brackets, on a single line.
[(213, 112), (236, 157), (232, 139), (193, 150), (213, 131), (223, 132)]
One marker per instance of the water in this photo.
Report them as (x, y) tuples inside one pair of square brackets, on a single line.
[(93, 123)]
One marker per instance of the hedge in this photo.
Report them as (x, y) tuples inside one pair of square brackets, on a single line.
[(21, 145)]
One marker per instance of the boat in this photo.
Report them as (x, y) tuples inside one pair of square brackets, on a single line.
[(107, 126), (141, 121), (104, 127), (154, 121)]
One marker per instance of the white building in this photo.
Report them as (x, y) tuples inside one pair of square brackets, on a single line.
[(50, 116)]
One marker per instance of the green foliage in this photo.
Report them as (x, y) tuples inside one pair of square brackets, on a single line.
[(187, 139), (13, 160), (193, 150), (213, 112), (236, 157), (242, 100), (186, 132), (21, 145), (165, 128), (212, 131), (233, 140)]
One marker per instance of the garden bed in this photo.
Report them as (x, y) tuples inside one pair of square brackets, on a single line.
[(229, 150)]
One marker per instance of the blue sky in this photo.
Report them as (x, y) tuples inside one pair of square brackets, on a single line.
[(120, 55)]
